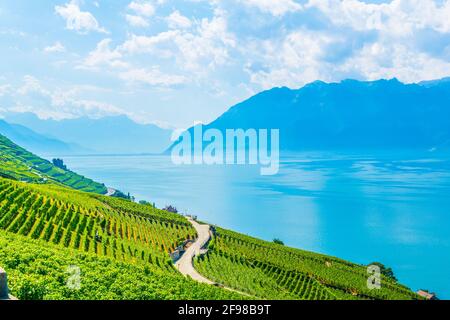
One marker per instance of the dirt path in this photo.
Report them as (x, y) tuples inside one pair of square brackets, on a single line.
[(185, 264)]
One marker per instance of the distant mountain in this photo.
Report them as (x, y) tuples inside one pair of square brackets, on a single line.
[(109, 135), (350, 114), (441, 82), (37, 143)]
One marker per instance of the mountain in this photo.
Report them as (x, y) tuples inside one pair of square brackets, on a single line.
[(20, 164), (431, 83), (109, 135), (37, 143), (350, 114)]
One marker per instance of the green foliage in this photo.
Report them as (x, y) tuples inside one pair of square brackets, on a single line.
[(278, 241), (38, 270), (19, 164), (387, 272), (270, 271), (122, 249)]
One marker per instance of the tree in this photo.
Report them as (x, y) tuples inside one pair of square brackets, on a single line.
[(385, 271), (59, 163), (278, 241), (171, 209)]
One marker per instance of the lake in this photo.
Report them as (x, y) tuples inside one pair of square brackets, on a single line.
[(394, 209)]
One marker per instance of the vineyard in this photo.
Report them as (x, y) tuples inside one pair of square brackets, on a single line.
[(19, 164), (122, 247), (272, 271), (81, 221), (39, 270)]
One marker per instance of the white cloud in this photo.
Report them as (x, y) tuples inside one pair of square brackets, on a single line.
[(5, 89), (57, 47), (153, 77), (388, 60), (397, 16), (103, 56), (204, 48), (137, 21), (57, 103), (77, 20), (274, 7), (147, 44), (144, 9), (177, 20)]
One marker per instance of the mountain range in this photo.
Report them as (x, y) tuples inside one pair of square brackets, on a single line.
[(351, 114), (38, 143), (108, 135)]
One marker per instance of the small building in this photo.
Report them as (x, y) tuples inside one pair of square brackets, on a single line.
[(427, 295)]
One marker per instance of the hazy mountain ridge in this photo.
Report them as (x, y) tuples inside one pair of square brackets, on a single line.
[(350, 114), (109, 135), (38, 143)]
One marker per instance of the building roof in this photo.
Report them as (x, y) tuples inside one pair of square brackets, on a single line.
[(427, 295)]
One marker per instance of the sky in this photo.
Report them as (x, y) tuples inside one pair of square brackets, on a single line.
[(175, 63)]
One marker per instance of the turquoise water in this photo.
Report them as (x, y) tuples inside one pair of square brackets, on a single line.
[(392, 209)]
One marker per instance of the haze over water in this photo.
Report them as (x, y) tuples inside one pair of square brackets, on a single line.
[(394, 209)]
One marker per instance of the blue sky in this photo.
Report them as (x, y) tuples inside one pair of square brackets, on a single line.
[(178, 62)]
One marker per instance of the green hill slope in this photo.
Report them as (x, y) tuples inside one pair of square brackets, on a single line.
[(122, 248), (271, 271), (20, 164), (86, 230)]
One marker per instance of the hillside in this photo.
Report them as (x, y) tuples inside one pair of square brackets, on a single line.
[(37, 143), (123, 249), (349, 115), (109, 135), (272, 271), (20, 164), (116, 235)]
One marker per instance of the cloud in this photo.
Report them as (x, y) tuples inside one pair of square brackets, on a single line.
[(80, 21), (103, 55), (57, 47), (144, 9), (5, 89), (57, 103), (397, 16), (204, 48), (136, 21), (177, 20), (275, 7), (388, 60), (152, 77)]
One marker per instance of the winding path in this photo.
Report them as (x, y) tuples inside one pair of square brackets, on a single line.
[(185, 263)]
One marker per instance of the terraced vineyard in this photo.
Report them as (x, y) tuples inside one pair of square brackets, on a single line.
[(271, 271), (39, 270), (99, 225), (47, 228), (19, 164)]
